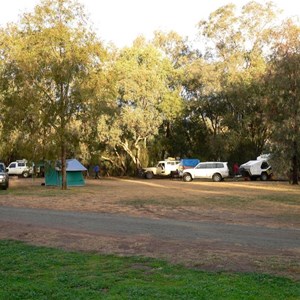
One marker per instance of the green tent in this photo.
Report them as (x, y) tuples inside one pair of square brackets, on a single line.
[(74, 174)]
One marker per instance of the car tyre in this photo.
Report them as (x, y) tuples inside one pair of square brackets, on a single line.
[(25, 174), (264, 176), (187, 177), (4, 187), (217, 177), (149, 175)]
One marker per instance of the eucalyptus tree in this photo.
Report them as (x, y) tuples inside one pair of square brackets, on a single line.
[(47, 57), (222, 84), (205, 104), (171, 138), (143, 101), (284, 102)]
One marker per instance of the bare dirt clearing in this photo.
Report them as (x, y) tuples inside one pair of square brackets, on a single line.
[(266, 204)]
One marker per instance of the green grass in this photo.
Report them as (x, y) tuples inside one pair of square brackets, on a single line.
[(195, 201), (40, 191), (28, 272), (219, 201), (289, 199)]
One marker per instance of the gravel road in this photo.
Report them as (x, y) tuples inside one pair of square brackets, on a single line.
[(102, 223)]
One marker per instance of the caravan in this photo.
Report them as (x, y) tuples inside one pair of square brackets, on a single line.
[(258, 168)]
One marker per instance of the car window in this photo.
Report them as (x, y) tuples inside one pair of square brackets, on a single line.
[(21, 164), (13, 165), (201, 166), (264, 165), (211, 166)]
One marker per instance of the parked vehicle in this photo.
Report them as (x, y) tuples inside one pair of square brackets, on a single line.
[(258, 168), (185, 163), (163, 168), (214, 170), (4, 178), (20, 168)]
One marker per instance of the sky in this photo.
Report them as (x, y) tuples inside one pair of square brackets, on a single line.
[(121, 21)]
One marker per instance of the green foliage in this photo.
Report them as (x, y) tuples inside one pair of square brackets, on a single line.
[(224, 87), (48, 57), (63, 94), (284, 102), (144, 101), (28, 272)]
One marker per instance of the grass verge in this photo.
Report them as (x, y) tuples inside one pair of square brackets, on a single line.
[(28, 272)]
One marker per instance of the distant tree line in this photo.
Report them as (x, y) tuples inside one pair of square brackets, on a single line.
[(64, 93)]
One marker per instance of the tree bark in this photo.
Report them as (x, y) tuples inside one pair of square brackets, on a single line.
[(63, 167), (134, 158), (295, 164)]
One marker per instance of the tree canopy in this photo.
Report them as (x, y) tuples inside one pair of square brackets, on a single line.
[(63, 93)]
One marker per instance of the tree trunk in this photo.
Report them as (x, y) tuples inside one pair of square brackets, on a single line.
[(63, 167), (295, 164), (135, 158)]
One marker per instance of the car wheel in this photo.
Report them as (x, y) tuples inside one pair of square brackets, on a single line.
[(25, 174), (149, 175), (217, 177), (187, 177), (264, 176)]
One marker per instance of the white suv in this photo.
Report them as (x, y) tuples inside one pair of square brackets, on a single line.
[(214, 170), (19, 168)]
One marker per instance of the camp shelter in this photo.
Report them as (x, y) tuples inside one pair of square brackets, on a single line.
[(53, 176)]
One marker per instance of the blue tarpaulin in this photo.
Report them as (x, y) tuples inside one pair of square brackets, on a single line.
[(189, 162)]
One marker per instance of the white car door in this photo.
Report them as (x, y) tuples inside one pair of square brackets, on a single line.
[(12, 168), (200, 170)]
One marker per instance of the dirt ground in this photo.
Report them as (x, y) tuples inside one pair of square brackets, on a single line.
[(268, 204)]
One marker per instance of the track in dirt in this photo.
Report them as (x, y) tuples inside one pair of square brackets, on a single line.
[(167, 229), (235, 226)]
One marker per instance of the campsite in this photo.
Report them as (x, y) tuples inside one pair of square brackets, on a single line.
[(97, 199), (260, 204)]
